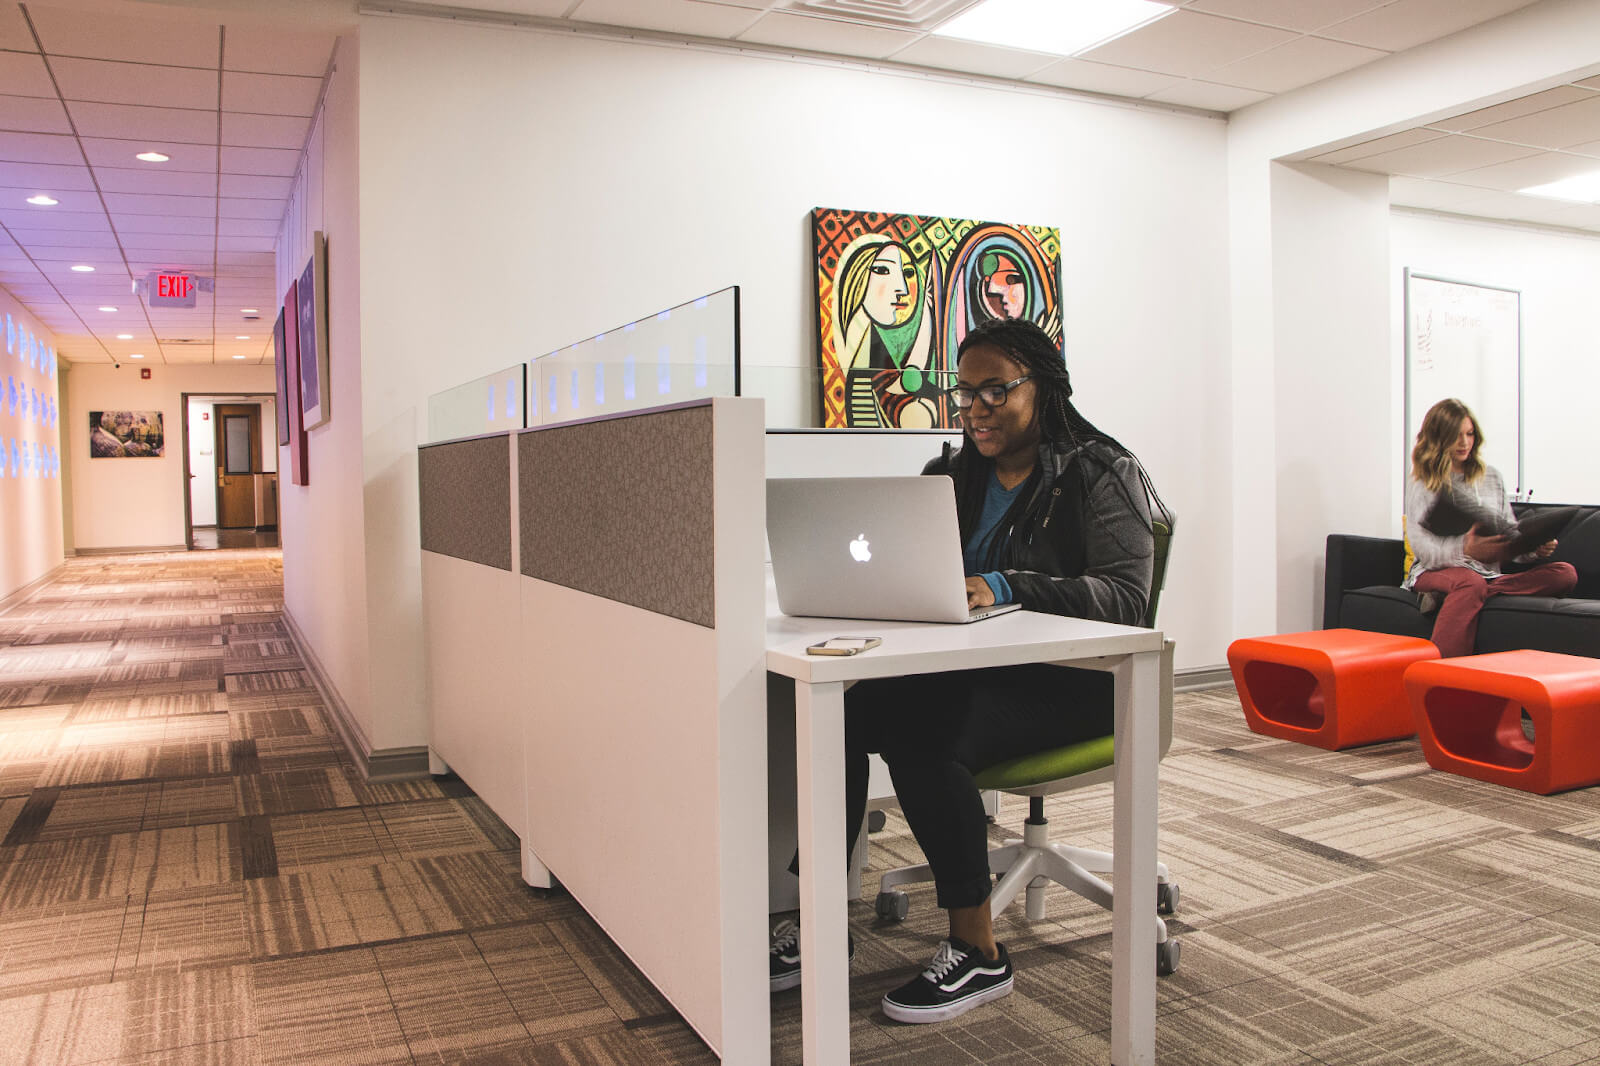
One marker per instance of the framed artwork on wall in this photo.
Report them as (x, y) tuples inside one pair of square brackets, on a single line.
[(281, 366), (299, 457), (126, 435), (897, 293), (312, 323)]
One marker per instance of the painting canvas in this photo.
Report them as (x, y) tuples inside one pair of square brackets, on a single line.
[(280, 357), (312, 330), (299, 449), (897, 293), (126, 435)]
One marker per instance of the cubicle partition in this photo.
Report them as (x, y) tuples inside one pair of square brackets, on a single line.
[(595, 603)]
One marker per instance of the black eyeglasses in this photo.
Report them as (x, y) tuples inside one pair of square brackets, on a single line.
[(992, 395)]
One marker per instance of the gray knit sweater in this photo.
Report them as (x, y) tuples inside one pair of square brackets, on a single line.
[(1488, 493)]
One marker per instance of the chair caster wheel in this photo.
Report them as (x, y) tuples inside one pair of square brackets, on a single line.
[(893, 906), (876, 820), (1167, 898), (1167, 958)]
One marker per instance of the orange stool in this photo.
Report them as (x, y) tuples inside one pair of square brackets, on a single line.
[(1333, 688), (1469, 716)]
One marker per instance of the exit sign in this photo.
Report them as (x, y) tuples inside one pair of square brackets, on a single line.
[(170, 290)]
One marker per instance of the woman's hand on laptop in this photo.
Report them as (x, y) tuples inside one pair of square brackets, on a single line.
[(979, 594)]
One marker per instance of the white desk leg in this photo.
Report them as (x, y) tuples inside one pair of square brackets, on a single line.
[(824, 973), (1133, 934), (535, 873)]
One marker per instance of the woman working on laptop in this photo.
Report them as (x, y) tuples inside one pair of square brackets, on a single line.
[(1465, 569), (1054, 516)]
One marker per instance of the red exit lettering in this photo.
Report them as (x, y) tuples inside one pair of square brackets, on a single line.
[(173, 286)]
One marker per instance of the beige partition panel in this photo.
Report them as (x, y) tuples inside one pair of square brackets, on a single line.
[(472, 618), (643, 680)]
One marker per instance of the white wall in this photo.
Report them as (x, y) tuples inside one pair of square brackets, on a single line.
[(1559, 275), (202, 450), (552, 186), (30, 502), (138, 503), (323, 526)]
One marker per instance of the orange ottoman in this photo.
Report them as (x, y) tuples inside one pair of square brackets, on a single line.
[(1334, 688), (1469, 716)]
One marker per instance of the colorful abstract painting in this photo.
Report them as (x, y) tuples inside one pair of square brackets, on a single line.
[(126, 435), (897, 293)]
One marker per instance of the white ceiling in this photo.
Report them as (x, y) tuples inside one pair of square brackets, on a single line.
[(81, 93), (85, 87)]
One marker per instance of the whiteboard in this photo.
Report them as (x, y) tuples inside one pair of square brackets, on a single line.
[(1465, 340)]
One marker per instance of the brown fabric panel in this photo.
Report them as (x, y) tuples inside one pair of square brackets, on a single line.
[(622, 508), (465, 493)]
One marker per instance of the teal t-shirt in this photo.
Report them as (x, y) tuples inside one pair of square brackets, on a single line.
[(997, 500)]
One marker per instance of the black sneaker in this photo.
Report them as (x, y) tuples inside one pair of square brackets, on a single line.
[(783, 965), (958, 979)]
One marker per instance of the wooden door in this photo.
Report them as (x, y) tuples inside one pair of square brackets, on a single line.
[(238, 455)]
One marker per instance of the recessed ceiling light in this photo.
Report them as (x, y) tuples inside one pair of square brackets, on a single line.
[(241, 339), (1580, 188), (108, 308), (83, 269), (152, 157), (1050, 25), (124, 336), (248, 311), (238, 357), (43, 201), (136, 355)]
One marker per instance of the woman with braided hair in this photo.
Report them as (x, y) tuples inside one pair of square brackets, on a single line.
[(1053, 515)]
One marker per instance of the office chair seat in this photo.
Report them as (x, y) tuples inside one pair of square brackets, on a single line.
[(1042, 768)]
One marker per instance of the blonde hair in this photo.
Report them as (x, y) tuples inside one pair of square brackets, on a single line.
[(1441, 426)]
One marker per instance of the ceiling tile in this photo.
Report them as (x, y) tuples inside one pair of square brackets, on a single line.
[(254, 245), (1523, 105), (264, 131), (253, 48), (1188, 43), (37, 241), (1379, 145), (1303, 15), (1520, 173), (269, 94), (238, 227), (120, 203), (115, 152), (1101, 78), (1437, 158), (146, 243), (1434, 195), (14, 33), (1405, 23), (26, 216), (144, 123), (100, 35), (33, 114), (40, 148), (45, 176), (1557, 127), (204, 225), (785, 30), (274, 162), (153, 180), (234, 208), (24, 74), (135, 83), (1207, 95), (258, 188), (675, 16), (1299, 62), (946, 53)]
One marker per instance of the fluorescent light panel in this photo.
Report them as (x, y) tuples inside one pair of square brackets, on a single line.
[(1580, 188), (1060, 27)]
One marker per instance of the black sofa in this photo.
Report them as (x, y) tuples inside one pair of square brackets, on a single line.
[(1362, 590)]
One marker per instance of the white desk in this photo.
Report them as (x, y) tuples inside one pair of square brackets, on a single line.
[(1131, 655)]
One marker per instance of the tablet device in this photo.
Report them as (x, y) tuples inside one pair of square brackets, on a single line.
[(1537, 528)]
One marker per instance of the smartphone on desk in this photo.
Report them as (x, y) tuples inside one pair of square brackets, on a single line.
[(844, 645)]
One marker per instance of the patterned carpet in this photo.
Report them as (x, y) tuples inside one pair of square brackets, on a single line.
[(192, 872)]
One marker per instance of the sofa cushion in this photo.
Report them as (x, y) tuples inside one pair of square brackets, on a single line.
[(1580, 546), (1568, 626), (1385, 609)]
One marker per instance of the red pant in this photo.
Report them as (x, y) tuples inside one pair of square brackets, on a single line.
[(1456, 629)]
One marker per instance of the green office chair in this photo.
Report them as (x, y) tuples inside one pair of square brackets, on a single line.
[(1034, 862)]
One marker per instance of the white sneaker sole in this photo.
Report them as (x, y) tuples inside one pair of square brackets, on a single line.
[(944, 1012), (784, 983)]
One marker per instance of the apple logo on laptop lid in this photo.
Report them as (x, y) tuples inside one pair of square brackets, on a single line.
[(859, 551)]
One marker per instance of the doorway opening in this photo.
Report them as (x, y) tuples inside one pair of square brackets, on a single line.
[(230, 455)]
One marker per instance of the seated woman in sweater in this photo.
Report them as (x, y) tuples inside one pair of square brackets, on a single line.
[(1053, 515), (1465, 570)]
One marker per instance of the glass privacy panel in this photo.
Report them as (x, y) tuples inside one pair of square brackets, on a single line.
[(490, 404), (687, 352), (236, 444)]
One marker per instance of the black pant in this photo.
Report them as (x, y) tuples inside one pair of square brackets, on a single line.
[(936, 730)]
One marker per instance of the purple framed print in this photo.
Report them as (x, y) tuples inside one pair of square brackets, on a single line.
[(312, 321)]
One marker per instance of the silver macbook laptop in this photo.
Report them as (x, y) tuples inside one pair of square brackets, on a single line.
[(885, 548)]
